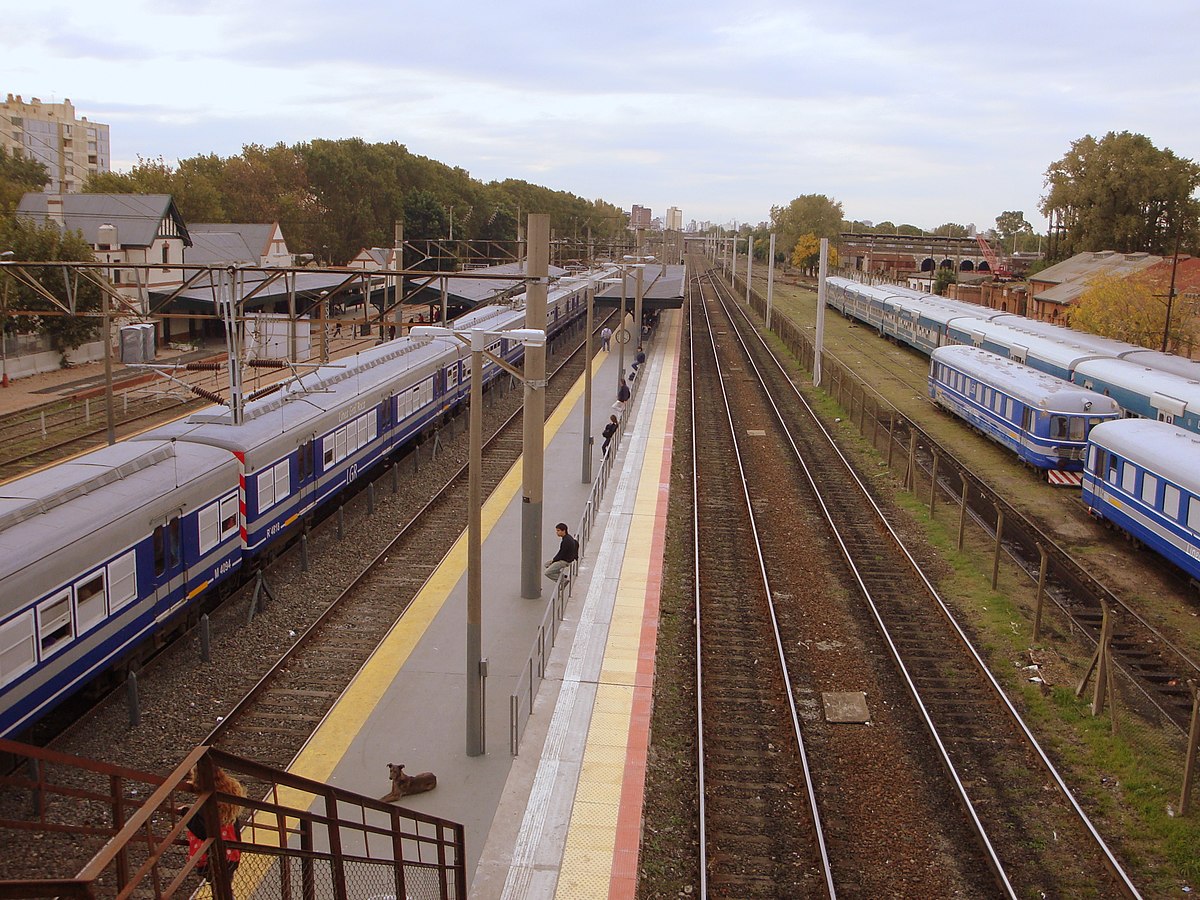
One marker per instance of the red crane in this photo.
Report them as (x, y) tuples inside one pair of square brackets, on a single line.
[(998, 269)]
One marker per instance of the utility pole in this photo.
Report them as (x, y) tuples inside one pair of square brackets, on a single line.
[(534, 418)]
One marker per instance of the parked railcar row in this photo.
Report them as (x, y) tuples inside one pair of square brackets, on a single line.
[(102, 552), (1140, 473), (1146, 383)]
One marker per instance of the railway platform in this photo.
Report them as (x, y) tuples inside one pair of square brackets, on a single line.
[(562, 818)]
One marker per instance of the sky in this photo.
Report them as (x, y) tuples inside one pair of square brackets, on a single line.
[(916, 112)]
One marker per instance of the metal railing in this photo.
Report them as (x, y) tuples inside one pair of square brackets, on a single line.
[(520, 701), (298, 838)]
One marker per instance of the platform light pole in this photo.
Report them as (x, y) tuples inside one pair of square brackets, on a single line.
[(476, 665), (4, 258), (534, 418), (586, 477)]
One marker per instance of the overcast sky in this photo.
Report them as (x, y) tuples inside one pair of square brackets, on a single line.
[(915, 112)]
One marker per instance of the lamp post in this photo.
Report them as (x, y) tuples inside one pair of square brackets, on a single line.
[(476, 665), (586, 477), (4, 258)]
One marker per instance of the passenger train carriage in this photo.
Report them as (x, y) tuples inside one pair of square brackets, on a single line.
[(1042, 419), (925, 322), (99, 553), (1144, 477)]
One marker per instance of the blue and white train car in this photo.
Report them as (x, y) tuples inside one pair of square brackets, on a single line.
[(1144, 477), (1044, 420), (1053, 357), (101, 551), (1143, 392), (1188, 369)]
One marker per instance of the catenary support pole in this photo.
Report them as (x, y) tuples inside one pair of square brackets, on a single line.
[(535, 408)]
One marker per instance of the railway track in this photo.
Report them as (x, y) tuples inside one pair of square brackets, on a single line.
[(1022, 821), (759, 822), (1154, 666)]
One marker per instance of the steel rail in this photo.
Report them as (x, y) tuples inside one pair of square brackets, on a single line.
[(797, 729), (1110, 858)]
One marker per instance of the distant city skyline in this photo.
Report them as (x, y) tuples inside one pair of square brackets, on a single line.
[(918, 114)]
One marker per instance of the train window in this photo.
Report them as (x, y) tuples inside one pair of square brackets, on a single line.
[(1170, 504), (1058, 428), (1149, 489), (89, 601), (1128, 478), (54, 622), (327, 446), (209, 522), (122, 581), (16, 647), (266, 490), (1095, 460), (998, 402), (1193, 516), (1113, 467), (1078, 428), (229, 515), (283, 480), (339, 445), (1027, 419), (1010, 409)]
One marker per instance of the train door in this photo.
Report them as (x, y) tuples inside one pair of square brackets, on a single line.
[(306, 471), (169, 572)]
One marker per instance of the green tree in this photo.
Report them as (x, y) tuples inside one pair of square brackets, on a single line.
[(46, 243), (942, 279), (1010, 224), (1122, 193), (953, 229), (1132, 309), (808, 214), (18, 175)]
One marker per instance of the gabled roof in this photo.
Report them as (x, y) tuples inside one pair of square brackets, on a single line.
[(219, 247), (137, 217), (1083, 266), (257, 237)]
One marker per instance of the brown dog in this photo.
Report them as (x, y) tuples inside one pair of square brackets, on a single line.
[(403, 785)]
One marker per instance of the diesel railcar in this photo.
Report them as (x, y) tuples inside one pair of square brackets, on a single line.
[(1042, 419)]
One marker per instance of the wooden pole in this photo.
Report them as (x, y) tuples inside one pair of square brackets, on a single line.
[(996, 554), (962, 513), (1193, 744), (933, 484), (1041, 592)]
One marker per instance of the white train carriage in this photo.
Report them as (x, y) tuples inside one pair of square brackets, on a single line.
[(99, 552), (1144, 477), (1044, 420)]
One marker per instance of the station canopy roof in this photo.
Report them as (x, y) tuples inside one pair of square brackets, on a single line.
[(662, 287)]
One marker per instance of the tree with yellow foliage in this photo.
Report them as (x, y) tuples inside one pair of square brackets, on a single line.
[(807, 252), (1132, 309)]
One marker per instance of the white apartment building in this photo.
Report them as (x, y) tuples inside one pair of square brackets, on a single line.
[(69, 148), (674, 219)]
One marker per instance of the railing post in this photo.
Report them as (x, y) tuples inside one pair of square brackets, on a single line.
[(996, 552)]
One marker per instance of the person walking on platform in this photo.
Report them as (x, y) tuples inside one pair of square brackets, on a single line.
[(568, 552), (609, 430), (605, 337)]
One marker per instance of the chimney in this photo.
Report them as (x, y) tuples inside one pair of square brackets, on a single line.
[(54, 210)]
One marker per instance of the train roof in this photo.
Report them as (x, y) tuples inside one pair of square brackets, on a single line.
[(1166, 449), (306, 400), (67, 502), (1165, 362), (1028, 385), (1146, 381)]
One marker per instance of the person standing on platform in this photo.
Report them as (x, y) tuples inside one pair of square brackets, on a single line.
[(568, 552), (609, 430), (605, 337)]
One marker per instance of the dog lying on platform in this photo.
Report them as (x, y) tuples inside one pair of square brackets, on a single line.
[(403, 785)]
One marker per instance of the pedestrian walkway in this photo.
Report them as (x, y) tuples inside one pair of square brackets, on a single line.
[(562, 818)]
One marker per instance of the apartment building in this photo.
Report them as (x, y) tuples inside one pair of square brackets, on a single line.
[(69, 148)]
